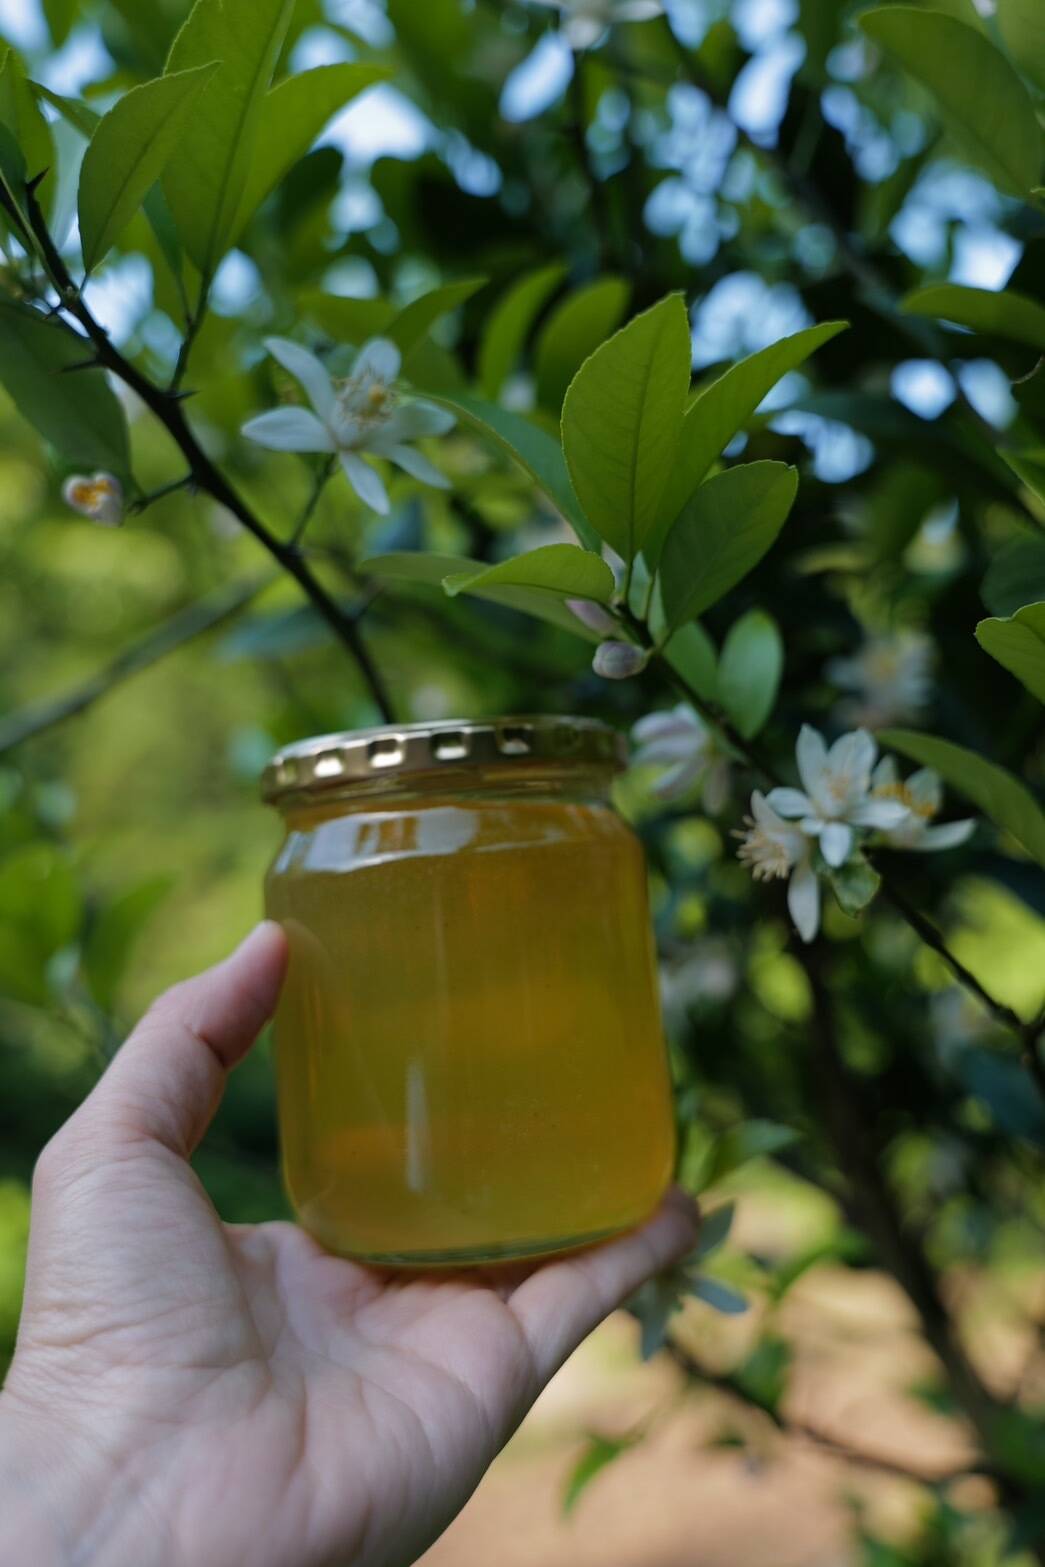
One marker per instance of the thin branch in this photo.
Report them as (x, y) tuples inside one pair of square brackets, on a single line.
[(324, 473), (167, 408), (802, 1430), (184, 627)]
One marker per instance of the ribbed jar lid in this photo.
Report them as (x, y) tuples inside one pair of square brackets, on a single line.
[(363, 756)]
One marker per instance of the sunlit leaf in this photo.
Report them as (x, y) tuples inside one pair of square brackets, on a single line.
[(1008, 803), (1018, 643), (508, 325), (417, 566), (1022, 24), (979, 96), (621, 422), (128, 153), (564, 569), (573, 330), (749, 670), (20, 113), (1000, 313), (723, 532), (598, 1454)]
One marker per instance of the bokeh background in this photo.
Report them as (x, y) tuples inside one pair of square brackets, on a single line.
[(762, 158)]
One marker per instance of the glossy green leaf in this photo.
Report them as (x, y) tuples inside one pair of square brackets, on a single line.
[(1001, 314), (291, 117), (1022, 25), (348, 320), (621, 422), (417, 566), (80, 115), (128, 153), (691, 654), (715, 1226), (78, 413), (1008, 803), (20, 113), (1016, 576), (205, 184), (509, 323), (573, 330), (854, 884), (724, 531), (749, 671), (978, 95), (722, 409), (415, 321), (1029, 468), (1018, 643), (527, 445), (564, 569), (599, 1453)]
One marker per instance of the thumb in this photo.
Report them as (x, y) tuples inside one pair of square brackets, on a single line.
[(165, 1083)]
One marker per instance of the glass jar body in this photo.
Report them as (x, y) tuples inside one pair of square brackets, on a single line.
[(470, 1058)]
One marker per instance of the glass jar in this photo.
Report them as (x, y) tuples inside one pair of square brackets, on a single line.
[(470, 1058)]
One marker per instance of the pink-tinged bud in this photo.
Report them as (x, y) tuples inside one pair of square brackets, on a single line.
[(593, 616), (619, 660), (99, 497)]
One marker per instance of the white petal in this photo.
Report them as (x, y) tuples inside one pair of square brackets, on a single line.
[(307, 369), (803, 900), (811, 755), (418, 466), (678, 780), (853, 756), (667, 748), (926, 790), (366, 483), (790, 803), (886, 773), (879, 813), (379, 358), (716, 787), (413, 420), (947, 836), (582, 32), (637, 10), (836, 840), (289, 430)]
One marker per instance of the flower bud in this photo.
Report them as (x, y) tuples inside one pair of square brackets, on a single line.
[(619, 660), (593, 616), (99, 497)]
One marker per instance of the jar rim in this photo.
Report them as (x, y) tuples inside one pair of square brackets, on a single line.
[(310, 768)]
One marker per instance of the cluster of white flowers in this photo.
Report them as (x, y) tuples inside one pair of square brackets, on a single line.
[(363, 413), (585, 21), (683, 744), (845, 799), (889, 679)]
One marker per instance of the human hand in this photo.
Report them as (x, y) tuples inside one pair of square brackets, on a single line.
[(189, 1392)]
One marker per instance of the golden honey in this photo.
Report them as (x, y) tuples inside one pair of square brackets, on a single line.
[(470, 1058)]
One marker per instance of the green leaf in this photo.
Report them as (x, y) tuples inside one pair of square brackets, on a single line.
[(205, 184), (40, 912), (1001, 314), (1008, 803), (721, 409), (1018, 643), (290, 119), (348, 320), (763, 1376), (1029, 468), (854, 884), (750, 1140), (723, 532), (573, 330), (78, 413), (413, 323), (749, 671), (128, 153), (530, 447), (564, 569), (1022, 24), (433, 570), (979, 96), (78, 114), (112, 934), (621, 423), (20, 113), (1016, 576), (509, 323), (691, 654), (600, 1451), (714, 1231), (60, 16), (720, 1297)]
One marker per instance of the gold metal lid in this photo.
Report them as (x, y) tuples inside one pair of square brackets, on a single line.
[(362, 757)]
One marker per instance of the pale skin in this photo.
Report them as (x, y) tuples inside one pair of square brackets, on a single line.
[(189, 1392)]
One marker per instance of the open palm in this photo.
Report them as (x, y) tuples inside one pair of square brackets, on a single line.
[(210, 1394)]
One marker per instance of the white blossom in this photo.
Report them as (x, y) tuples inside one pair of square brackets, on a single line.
[(593, 616), (99, 497), (585, 21), (619, 660), (890, 678), (835, 798), (922, 795), (362, 413), (683, 744), (774, 849)]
